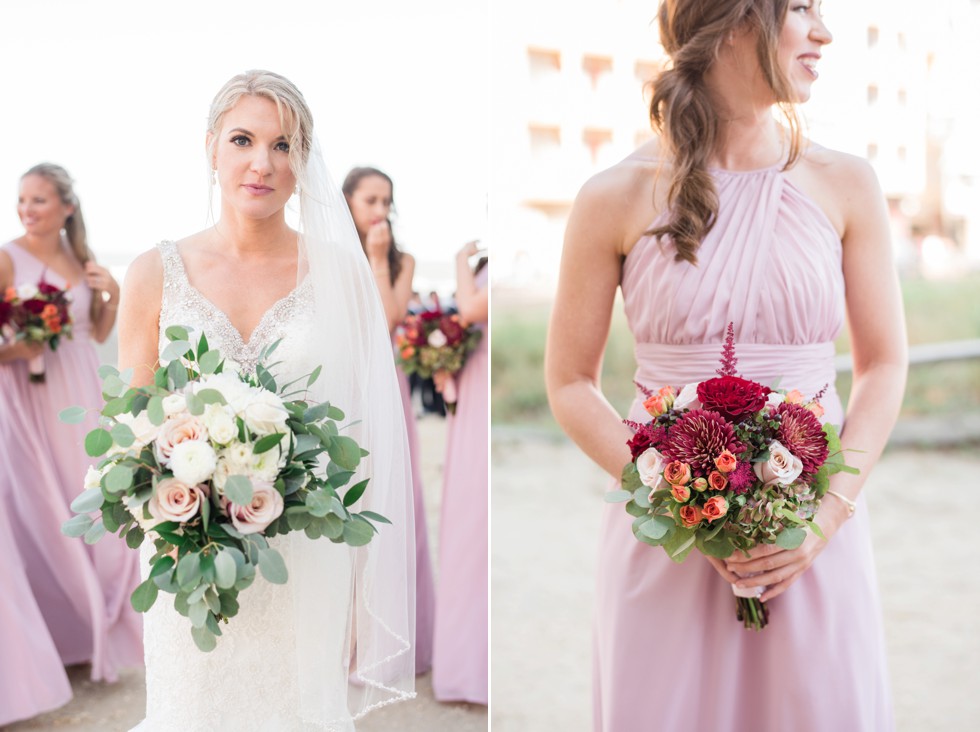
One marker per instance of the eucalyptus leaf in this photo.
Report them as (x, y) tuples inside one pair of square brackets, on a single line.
[(616, 496), (790, 538), (95, 532), (154, 411), (90, 500), (314, 376), (266, 379), (107, 370), (144, 596), (77, 525), (119, 479), (374, 517), (177, 333), (354, 492), (72, 415), (197, 594), (273, 567), (268, 442), (358, 533), (344, 451), (213, 602), (177, 375), (630, 478), (211, 396), (657, 528), (209, 361), (97, 442), (189, 570), (332, 527), (122, 434), (113, 386), (194, 404), (318, 503), (162, 566), (204, 639), (226, 571), (238, 489), (175, 350), (115, 407)]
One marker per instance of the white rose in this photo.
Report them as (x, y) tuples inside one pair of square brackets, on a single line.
[(650, 466), (437, 339), (234, 390), (222, 470), (264, 413), (783, 466), (220, 423), (174, 404), (193, 462), (27, 291), (266, 466), (93, 477), (143, 429), (175, 430), (688, 398), (775, 399)]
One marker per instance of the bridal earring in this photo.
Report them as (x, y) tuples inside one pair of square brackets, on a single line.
[(213, 177)]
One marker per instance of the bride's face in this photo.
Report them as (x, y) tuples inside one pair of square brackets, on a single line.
[(252, 159)]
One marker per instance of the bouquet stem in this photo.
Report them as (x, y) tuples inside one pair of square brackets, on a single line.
[(753, 613), (35, 367)]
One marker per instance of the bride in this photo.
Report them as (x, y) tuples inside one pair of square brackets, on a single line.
[(336, 641)]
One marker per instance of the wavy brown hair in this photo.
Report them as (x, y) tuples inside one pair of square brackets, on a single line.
[(692, 33), (351, 182)]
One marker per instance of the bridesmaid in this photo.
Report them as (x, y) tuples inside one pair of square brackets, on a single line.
[(370, 196), (460, 658), (82, 591)]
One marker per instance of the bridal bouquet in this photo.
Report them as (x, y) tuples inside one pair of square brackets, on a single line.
[(433, 341), (37, 313), (209, 464), (727, 464)]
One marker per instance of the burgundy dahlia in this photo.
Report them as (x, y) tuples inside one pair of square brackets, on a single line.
[(733, 397), (801, 433), (697, 438), (647, 436), (452, 329)]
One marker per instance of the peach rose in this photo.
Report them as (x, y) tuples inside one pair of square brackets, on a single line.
[(10, 294), (700, 485), (649, 465), (175, 501), (681, 493), (726, 462), (677, 473), (783, 466), (690, 515), (264, 508), (177, 429), (717, 481), (816, 409), (655, 405), (715, 508), (407, 353), (795, 397)]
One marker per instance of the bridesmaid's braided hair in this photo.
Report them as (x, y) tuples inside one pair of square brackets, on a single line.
[(692, 33)]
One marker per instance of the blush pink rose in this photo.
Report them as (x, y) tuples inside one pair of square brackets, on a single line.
[(175, 501), (177, 429), (264, 508), (783, 467)]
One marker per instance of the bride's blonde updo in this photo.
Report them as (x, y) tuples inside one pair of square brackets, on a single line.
[(692, 33), (294, 113)]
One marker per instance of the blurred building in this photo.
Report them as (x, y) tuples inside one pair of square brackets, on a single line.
[(568, 100)]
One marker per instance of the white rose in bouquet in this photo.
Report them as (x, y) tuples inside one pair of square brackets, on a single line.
[(650, 466), (143, 429), (93, 476), (174, 404), (437, 339), (264, 413), (220, 423), (688, 397), (234, 390), (193, 462), (27, 291)]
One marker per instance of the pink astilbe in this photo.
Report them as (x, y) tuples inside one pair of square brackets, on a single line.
[(728, 360)]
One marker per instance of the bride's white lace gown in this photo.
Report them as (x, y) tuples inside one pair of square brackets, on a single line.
[(250, 682)]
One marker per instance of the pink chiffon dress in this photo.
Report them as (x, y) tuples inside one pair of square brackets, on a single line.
[(460, 658), (425, 597), (82, 591), (669, 652)]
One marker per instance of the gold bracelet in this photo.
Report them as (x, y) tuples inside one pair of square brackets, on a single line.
[(851, 505)]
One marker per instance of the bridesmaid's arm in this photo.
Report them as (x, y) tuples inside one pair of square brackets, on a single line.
[(878, 346), (394, 297), (472, 302), (18, 349), (139, 317), (100, 280), (591, 264)]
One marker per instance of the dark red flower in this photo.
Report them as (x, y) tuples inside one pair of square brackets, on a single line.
[(46, 288), (697, 438), (732, 397), (647, 436), (427, 315), (34, 305), (801, 433), (742, 478), (452, 329)]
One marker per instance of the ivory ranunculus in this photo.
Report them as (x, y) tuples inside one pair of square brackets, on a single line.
[(174, 500), (193, 462), (175, 430), (264, 413), (174, 404), (783, 467), (220, 423), (688, 397), (265, 507), (650, 465)]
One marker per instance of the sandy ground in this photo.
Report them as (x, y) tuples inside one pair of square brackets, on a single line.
[(544, 559), (118, 707)]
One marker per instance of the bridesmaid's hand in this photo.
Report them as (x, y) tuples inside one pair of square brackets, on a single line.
[(439, 380), (23, 350), (780, 568), (99, 278), (377, 242), (468, 250)]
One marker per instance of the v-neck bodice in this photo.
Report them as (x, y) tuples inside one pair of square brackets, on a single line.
[(288, 319)]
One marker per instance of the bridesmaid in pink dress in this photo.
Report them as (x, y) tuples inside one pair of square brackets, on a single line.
[(81, 591), (731, 217), (370, 196), (460, 657)]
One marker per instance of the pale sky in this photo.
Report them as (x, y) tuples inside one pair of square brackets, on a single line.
[(118, 93)]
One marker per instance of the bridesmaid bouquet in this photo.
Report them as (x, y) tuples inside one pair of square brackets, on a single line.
[(37, 313), (210, 464), (433, 341), (727, 464)]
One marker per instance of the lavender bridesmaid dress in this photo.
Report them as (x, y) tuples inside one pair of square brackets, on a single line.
[(82, 591), (460, 657), (425, 598), (669, 653)]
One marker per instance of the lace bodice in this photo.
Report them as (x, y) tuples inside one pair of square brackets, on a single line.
[(289, 319)]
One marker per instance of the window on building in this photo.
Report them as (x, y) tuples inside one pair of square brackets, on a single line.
[(872, 151), (901, 41), (596, 66), (544, 138), (594, 138), (902, 97), (542, 61), (902, 153), (872, 93), (872, 36)]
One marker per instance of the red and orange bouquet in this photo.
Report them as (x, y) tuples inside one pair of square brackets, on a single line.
[(37, 313), (727, 464), (435, 341)]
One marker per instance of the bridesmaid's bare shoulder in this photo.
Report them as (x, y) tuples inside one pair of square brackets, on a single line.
[(6, 270), (843, 185), (621, 202)]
